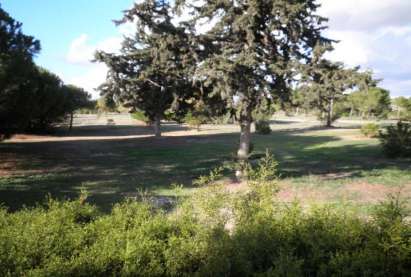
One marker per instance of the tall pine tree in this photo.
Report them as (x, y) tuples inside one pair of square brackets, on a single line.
[(250, 52), (328, 82), (16, 71), (150, 73)]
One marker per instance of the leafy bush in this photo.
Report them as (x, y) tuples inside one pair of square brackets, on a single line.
[(370, 130), (262, 127), (212, 233), (396, 140), (194, 120), (140, 116), (214, 175)]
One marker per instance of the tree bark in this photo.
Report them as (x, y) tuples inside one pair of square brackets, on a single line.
[(330, 113), (71, 121), (157, 126), (245, 139), (244, 148)]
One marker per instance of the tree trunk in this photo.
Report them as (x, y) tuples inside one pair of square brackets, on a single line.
[(330, 113), (244, 148), (157, 126), (351, 112), (71, 121), (245, 138)]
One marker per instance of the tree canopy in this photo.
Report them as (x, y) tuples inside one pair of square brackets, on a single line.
[(250, 54), (150, 73), (16, 67), (374, 101), (31, 98)]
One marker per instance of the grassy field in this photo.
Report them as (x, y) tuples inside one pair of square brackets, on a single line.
[(318, 165)]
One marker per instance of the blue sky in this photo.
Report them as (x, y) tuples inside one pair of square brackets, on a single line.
[(57, 23), (374, 34)]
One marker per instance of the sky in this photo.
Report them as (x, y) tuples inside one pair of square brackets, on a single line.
[(375, 34)]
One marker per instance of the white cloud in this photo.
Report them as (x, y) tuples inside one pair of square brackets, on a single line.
[(366, 14), (398, 87), (353, 47), (81, 53), (375, 34), (94, 77)]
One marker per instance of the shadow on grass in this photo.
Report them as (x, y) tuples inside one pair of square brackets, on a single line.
[(116, 130), (112, 169)]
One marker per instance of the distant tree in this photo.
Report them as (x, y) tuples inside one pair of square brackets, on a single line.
[(47, 101), (248, 55), (403, 107), (150, 72), (106, 105), (355, 100), (303, 100), (16, 68), (371, 102), (76, 98), (327, 81)]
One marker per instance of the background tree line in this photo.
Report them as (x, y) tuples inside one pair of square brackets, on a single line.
[(31, 97)]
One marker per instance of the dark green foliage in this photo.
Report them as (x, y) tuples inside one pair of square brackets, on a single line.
[(324, 84), (194, 120), (16, 69), (151, 72), (396, 140), (45, 102), (31, 98), (262, 127), (370, 130), (107, 105), (248, 57)]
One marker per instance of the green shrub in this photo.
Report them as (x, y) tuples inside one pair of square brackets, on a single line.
[(194, 120), (262, 127), (396, 140), (212, 233), (140, 116), (370, 130)]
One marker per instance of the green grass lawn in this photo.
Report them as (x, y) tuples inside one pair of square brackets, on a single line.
[(312, 161)]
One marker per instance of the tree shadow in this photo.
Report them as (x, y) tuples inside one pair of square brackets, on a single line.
[(111, 169), (116, 130)]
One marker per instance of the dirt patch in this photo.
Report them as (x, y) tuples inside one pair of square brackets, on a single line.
[(233, 187), (374, 193), (22, 137), (335, 176), (360, 192), (304, 194)]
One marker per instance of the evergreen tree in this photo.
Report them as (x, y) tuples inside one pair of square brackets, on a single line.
[(248, 56), (328, 81), (403, 107), (16, 69), (76, 98), (150, 73), (371, 102)]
